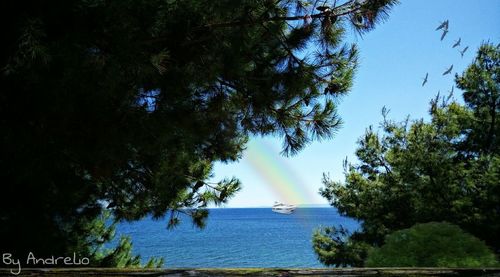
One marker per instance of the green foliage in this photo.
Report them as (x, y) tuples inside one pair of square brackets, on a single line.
[(121, 256), (482, 94), (130, 103), (333, 247), (431, 245), (414, 171), (102, 230)]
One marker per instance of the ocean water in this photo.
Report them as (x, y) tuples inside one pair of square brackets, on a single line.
[(236, 237)]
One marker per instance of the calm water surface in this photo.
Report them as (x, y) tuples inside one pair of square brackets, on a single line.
[(236, 237)]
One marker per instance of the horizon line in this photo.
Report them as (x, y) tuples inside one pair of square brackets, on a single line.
[(270, 206)]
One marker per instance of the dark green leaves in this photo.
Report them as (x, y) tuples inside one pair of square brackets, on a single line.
[(125, 105), (432, 245), (334, 247)]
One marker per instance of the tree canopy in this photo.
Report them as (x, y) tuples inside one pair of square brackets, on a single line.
[(124, 106), (412, 172)]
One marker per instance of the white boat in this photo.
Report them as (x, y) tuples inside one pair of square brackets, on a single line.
[(282, 208)]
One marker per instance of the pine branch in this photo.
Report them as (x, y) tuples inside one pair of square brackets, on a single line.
[(344, 9)]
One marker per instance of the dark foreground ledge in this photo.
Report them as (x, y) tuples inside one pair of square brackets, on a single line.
[(348, 272)]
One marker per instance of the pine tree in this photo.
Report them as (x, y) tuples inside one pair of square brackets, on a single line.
[(125, 105), (417, 172)]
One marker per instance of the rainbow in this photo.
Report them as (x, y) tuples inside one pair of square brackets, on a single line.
[(277, 174)]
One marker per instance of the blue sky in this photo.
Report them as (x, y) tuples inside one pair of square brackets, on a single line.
[(394, 58)]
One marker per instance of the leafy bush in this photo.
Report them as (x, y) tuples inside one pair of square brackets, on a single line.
[(432, 245)]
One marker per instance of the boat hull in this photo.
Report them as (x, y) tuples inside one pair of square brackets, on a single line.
[(283, 211), (283, 208)]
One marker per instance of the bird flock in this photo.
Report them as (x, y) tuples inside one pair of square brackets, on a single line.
[(444, 27)]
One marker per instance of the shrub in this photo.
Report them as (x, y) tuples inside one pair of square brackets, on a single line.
[(431, 245)]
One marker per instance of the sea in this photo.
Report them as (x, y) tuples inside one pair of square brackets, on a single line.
[(235, 237)]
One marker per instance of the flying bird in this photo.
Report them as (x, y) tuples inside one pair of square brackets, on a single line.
[(463, 51), (448, 71), (425, 79), (443, 25), (444, 34), (457, 43)]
